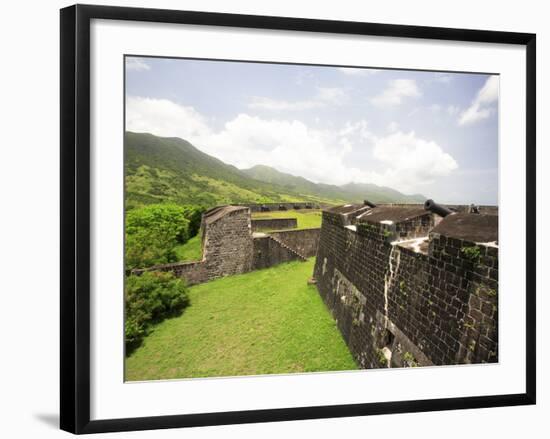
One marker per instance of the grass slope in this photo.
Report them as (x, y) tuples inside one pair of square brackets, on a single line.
[(306, 219), (191, 250), (263, 322)]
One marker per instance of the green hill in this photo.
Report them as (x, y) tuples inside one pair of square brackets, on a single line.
[(380, 194), (160, 169), (351, 192)]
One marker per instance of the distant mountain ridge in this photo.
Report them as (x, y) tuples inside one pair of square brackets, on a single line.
[(169, 169), (354, 192)]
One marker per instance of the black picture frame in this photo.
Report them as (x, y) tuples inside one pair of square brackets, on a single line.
[(75, 217)]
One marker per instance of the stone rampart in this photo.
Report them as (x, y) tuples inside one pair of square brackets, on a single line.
[(230, 247), (405, 293), (304, 241), (274, 223)]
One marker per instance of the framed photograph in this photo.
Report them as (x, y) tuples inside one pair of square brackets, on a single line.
[(274, 218)]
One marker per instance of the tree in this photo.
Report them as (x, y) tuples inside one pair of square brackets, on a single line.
[(152, 233), (194, 215)]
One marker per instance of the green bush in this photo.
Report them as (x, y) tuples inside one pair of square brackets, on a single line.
[(153, 232), (194, 216), (150, 298)]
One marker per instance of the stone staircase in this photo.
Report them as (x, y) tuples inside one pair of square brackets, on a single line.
[(290, 249)]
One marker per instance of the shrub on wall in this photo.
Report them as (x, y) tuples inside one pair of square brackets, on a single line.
[(472, 254), (148, 299), (152, 233)]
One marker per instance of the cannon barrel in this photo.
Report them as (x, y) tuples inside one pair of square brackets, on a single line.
[(369, 203), (432, 206)]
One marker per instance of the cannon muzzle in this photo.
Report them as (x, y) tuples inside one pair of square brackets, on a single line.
[(369, 203), (439, 209)]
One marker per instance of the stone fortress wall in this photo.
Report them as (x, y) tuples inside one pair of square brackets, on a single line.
[(304, 241), (408, 287), (230, 246), (272, 207), (259, 224)]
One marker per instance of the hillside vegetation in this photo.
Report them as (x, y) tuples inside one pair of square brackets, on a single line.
[(161, 169), (351, 192)]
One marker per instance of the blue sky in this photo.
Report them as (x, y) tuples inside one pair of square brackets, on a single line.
[(433, 133)]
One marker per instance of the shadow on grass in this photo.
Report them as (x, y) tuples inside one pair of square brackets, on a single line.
[(133, 345)]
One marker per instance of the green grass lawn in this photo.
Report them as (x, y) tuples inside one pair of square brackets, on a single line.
[(263, 322), (191, 250), (307, 219)]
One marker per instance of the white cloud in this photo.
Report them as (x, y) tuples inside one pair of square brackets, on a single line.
[(137, 65), (474, 114), (482, 105), (359, 130), (324, 96), (489, 92), (287, 145), (411, 162), (332, 95), (397, 90), (354, 71), (318, 154), (164, 118)]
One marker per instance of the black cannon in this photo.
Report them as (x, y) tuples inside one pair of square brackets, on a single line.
[(309, 206), (282, 207), (433, 207), (296, 207), (369, 203), (264, 208)]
